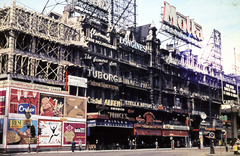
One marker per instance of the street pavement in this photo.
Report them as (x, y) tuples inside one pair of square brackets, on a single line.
[(125, 152)]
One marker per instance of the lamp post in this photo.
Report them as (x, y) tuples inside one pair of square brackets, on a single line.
[(231, 104), (210, 116), (28, 116), (226, 126)]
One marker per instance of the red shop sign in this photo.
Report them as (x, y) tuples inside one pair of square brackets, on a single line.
[(175, 133), (149, 132)]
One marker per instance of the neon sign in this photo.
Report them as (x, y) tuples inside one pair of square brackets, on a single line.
[(182, 23)]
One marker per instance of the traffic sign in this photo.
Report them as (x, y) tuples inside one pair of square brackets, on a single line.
[(212, 135)]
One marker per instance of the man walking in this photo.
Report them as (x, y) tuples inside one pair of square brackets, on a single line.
[(73, 145), (130, 144), (80, 144)]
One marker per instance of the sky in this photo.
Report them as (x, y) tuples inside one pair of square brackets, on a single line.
[(222, 15)]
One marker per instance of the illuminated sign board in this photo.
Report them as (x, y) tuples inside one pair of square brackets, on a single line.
[(100, 75), (186, 27), (229, 90), (107, 102), (99, 3), (132, 44)]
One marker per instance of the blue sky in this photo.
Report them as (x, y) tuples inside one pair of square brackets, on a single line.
[(222, 15)]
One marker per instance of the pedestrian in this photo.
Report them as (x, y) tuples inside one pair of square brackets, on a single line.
[(178, 144), (130, 144), (80, 144), (198, 143), (133, 143), (156, 144), (73, 145)]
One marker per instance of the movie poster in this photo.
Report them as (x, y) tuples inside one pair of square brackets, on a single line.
[(2, 102), (51, 105), (1, 130), (19, 131), (50, 133), (75, 107), (22, 99), (74, 131)]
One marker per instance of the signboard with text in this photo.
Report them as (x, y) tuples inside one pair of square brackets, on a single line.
[(18, 132), (74, 131), (22, 100)]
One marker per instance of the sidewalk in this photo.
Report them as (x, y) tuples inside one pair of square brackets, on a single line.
[(220, 151), (217, 150)]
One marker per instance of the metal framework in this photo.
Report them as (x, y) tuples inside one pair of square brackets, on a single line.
[(175, 36), (124, 14), (34, 46), (212, 53), (119, 13)]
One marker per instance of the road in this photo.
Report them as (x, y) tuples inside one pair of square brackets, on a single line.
[(139, 152)]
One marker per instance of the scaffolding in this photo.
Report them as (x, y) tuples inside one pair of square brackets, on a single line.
[(212, 54), (118, 13), (34, 47)]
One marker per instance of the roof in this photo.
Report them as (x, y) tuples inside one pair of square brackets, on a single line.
[(142, 31)]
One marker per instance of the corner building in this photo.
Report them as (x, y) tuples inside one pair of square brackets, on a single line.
[(132, 89)]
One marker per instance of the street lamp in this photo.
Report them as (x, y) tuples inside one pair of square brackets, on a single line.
[(232, 105), (28, 116)]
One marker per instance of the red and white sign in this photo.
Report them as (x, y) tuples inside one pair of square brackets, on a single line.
[(149, 132), (181, 22), (175, 133)]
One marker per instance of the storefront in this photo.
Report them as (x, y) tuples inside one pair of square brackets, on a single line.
[(107, 133)]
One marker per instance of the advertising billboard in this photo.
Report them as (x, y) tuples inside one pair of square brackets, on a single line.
[(74, 131), (51, 105), (50, 133), (2, 102), (22, 99), (75, 107), (1, 130), (19, 131)]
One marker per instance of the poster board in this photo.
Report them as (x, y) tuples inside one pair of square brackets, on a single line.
[(74, 131), (23, 99), (18, 132), (51, 132)]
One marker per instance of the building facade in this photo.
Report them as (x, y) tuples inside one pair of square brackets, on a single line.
[(130, 89)]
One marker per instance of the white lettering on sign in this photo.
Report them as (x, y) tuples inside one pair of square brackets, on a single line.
[(182, 22), (101, 75), (107, 102), (96, 33), (132, 44), (100, 3), (79, 130), (22, 109)]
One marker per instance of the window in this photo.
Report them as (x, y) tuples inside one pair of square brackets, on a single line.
[(105, 51), (95, 48), (110, 53), (178, 103)]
